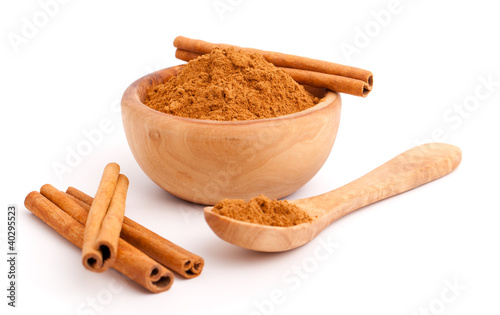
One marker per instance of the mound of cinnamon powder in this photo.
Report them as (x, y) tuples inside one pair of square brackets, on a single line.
[(262, 210), (228, 84)]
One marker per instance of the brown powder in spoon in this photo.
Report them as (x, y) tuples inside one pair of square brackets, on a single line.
[(228, 84), (262, 210)]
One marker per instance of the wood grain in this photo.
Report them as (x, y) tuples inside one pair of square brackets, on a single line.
[(204, 161), (408, 170)]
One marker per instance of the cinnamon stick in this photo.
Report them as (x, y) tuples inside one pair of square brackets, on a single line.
[(100, 240), (285, 60), (112, 222), (129, 261), (163, 251), (317, 79)]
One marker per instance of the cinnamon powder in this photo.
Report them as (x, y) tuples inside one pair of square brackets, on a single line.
[(262, 210), (228, 84)]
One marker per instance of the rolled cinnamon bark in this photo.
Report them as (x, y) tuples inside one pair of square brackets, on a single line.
[(113, 220), (283, 60), (98, 253), (186, 55), (163, 251), (80, 196), (67, 205), (129, 261), (317, 79), (332, 82)]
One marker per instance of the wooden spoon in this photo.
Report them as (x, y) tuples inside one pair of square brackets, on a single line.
[(406, 171)]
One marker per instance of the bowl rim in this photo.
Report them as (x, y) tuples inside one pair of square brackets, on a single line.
[(132, 99)]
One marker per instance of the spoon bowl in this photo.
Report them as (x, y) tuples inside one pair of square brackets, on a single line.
[(263, 238), (406, 171)]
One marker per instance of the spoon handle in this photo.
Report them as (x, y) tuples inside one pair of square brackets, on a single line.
[(406, 171)]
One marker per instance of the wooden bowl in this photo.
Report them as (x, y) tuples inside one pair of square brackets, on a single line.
[(205, 161)]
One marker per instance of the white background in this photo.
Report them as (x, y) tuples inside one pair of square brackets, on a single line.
[(394, 257)]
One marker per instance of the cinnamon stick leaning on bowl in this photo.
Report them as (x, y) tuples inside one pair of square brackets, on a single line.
[(313, 72), (160, 249)]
